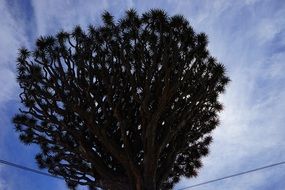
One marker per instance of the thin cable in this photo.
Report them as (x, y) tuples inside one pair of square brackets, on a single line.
[(188, 187), (234, 175), (28, 169)]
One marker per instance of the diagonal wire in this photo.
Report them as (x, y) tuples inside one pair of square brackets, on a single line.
[(233, 175), (28, 169), (184, 188)]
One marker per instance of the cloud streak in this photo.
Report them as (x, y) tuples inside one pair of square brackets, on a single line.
[(251, 134)]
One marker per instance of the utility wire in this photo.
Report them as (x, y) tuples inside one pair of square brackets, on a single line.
[(28, 169), (233, 175), (188, 187)]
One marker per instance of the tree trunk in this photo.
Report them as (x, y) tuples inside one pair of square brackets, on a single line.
[(149, 186), (149, 182), (149, 174)]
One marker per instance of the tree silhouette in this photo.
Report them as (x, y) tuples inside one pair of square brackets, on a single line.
[(127, 105)]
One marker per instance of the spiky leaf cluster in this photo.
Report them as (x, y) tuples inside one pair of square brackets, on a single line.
[(126, 105)]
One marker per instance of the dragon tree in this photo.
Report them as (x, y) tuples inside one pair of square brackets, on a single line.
[(126, 105)]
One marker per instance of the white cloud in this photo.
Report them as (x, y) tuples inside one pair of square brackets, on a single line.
[(3, 185), (251, 133), (268, 28), (12, 37), (250, 2), (51, 16), (276, 67), (8, 85)]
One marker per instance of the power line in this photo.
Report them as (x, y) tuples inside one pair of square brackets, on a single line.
[(233, 175), (188, 187), (28, 169)]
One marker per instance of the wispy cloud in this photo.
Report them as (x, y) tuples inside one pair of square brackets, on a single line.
[(3, 185), (251, 134), (12, 36), (52, 16)]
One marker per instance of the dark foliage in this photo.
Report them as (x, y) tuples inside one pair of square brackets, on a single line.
[(127, 105)]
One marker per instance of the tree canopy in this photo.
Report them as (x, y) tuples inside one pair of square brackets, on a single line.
[(129, 104)]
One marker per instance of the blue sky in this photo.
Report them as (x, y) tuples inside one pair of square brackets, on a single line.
[(247, 36)]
